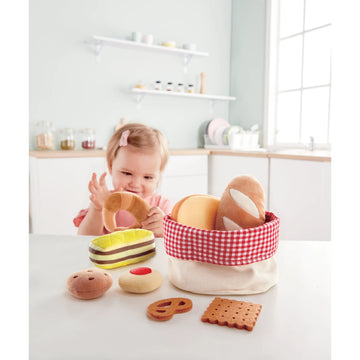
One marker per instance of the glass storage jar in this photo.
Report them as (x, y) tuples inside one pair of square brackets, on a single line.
[(87, 138), (180, 87), (67, 139), (44, 139), (158, 85)]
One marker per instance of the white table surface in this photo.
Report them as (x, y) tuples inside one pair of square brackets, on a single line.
[(294, 322)]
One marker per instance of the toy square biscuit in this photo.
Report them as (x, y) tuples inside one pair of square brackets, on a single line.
[(232, 313)]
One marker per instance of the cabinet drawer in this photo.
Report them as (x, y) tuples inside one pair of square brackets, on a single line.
[(176, 188), (222, 169), (182, 165), (300, 194)]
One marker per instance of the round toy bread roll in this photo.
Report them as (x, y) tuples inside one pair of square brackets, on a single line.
[(89, 283), (140, 280), (128, 201), (242, 205), (198, 211)]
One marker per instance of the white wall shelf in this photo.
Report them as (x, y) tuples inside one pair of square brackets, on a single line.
[(101, 41), (140, 94)]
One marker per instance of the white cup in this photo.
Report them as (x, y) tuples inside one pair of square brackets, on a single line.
[(189, 46), (148, 39), (236, 141)]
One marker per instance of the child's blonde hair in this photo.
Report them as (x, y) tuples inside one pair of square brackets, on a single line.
[(142, 137)]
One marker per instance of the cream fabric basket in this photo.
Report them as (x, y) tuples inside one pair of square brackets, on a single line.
[(222, 262)]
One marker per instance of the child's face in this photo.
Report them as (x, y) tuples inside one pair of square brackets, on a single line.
[(136, 171)]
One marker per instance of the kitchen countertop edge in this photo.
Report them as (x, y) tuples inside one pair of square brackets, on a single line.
[(283, 154)]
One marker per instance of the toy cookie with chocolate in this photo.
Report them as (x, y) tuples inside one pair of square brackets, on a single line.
[(89, 283), (121, 248), (242, 205), (140, 280), (198, 211), (127, 201)]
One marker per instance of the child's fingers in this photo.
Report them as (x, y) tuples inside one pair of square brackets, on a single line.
[(92, 188), (95, 181), (102, 179), (91, 182), (156, 228), (155, 218), (155, 211)]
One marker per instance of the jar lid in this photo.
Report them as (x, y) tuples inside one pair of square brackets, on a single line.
[(170, 83), (180, 83)]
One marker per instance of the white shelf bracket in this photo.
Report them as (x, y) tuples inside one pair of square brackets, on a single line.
[(187, 59), (212, 106), (139, 98), (98, 48)]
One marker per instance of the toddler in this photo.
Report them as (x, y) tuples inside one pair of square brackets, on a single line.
[(136, 156)]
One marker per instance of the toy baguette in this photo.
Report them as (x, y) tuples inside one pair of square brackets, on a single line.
[(242, 205), (121, 248)]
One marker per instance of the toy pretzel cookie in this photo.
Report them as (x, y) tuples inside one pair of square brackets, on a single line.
[(165, 309), (127, 201)]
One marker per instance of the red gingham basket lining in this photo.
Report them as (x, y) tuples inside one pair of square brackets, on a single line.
[(231, 248)]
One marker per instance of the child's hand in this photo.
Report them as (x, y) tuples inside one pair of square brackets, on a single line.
[(154, 221), (98, 191)]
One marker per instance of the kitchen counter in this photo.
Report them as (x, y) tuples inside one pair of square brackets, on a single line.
[(294, 322), (295, 154)]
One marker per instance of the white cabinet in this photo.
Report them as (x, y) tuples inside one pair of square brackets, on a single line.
[(59, 187), (59, 190), (300, 194), (184, 175), (223, 168)]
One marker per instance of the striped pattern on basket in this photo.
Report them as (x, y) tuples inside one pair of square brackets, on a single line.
[(232, 248)]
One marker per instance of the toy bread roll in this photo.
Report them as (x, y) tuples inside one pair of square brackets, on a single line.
[(242, 205), (121, 248), (123, 200), (198, 211), (89, 283)]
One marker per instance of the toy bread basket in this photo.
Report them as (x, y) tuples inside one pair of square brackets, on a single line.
[(222, 262)]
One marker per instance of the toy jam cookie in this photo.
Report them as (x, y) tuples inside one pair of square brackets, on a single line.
[(127, 201), (140, 280), (232, 313), (242, 205), (89, 283), (121, 248), (163, 310)]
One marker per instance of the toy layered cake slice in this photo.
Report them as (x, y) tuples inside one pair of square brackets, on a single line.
[(122, 248)]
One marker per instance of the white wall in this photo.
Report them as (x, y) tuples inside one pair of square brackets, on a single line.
[(248, 62), (69, 88)]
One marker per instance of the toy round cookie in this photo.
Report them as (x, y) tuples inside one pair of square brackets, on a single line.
[(127, 201), (89, 283), (140, 280)]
